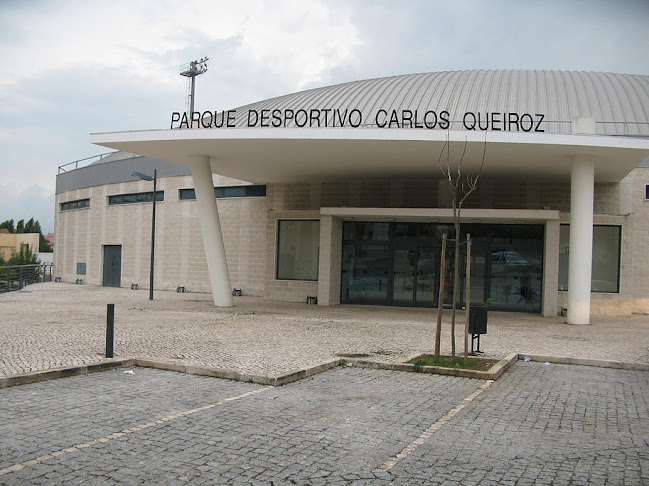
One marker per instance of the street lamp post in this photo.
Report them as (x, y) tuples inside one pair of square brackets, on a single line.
[(145, 177)]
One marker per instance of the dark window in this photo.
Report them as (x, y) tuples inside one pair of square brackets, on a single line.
[(137, 197), (605, 275), (78, 204), (81, 268), (225, 192), (298, 248), (185, 194), (646, 191), (366, 231)]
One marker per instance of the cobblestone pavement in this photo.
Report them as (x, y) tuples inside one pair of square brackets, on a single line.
[(56, 324), (538, 424)]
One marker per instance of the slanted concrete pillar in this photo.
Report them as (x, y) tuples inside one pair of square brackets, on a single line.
[(208, 216)]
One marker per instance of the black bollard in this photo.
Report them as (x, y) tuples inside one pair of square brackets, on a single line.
[(110, 329)]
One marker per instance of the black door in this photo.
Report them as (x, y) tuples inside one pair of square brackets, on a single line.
[(112, 266)]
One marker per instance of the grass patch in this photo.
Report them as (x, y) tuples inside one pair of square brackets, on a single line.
[(460, 363)]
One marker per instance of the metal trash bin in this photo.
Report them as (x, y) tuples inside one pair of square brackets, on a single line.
[(477, 324), (478, 319)]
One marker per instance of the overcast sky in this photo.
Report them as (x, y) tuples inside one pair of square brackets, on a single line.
[(71, 68)]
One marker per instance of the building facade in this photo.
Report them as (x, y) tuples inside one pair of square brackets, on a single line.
[(337, 193), (11, 243)]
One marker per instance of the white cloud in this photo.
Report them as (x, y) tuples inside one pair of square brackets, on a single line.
[(73, 67), (147, 40), (34, 202)]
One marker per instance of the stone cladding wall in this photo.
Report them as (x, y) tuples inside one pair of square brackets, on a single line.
[(250, 229)]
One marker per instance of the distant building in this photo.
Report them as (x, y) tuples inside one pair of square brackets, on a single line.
[(336, 192), (12, 243), (50, 238)]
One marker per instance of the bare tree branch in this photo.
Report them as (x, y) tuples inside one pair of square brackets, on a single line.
[(461, 187)]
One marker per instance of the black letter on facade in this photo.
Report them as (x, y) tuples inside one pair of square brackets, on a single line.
[(196, 117), (378, 124), (231, 115), (472, 127), (209, 124), (277, 118), (433, 124), (531, 122), (510, 121), (360, 118), (250, 122), (306, 118), (175, 116), (444, 120), (184, 121)]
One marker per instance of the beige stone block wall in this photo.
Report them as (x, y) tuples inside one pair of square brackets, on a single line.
[(250, 230), (624, 205), (180, 254), (493, 194)]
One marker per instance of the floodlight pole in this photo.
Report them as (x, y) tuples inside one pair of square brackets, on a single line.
[(191, 100), (191, 70)]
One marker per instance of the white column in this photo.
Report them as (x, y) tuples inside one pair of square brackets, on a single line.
[(208, 215), (582, 183)]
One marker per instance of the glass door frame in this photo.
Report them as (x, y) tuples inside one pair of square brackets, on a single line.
[(418, 247)]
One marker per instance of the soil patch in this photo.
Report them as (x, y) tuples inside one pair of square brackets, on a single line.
[(470, 363)]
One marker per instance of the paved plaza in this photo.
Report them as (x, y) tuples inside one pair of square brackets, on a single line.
[(51, 325), (538, 424)]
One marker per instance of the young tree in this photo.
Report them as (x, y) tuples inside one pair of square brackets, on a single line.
[(460, 185), (32, 226), (24, 257)]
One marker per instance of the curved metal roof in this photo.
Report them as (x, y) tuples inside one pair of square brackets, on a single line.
[(619, 103)]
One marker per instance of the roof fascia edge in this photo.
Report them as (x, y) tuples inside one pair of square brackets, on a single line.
[(366, 134)]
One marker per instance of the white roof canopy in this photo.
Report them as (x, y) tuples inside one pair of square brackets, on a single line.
[(272, 155)]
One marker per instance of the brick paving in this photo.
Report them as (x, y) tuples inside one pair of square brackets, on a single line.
[(51, 325), (538, 424)]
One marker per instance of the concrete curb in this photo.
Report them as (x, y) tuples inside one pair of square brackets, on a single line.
[(64, 372), (280, 380), (599, 363), (305, 373), (492, 374)]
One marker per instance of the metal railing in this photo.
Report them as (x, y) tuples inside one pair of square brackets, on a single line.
[(82, 162), (15, 277)]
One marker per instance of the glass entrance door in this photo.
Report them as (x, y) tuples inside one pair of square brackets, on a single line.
[(427, 279), (399, 264), (403, 277), (414, 276)]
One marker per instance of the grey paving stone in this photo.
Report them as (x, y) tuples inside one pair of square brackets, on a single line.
[(536, 425), (52, 325)]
